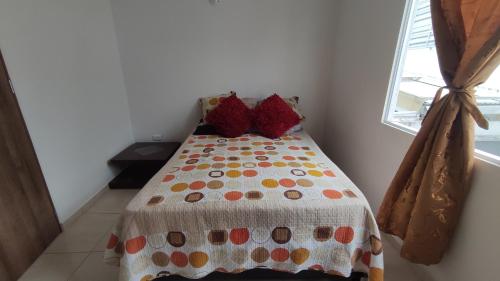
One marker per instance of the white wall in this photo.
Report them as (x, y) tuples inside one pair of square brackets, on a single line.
[(63, 59), (174, 52), (64, 62), (370, 152)]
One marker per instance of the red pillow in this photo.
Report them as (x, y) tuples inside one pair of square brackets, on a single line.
[(231, 118), (273, 117)]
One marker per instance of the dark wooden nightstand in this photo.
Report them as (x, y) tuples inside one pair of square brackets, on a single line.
[(140, 162)]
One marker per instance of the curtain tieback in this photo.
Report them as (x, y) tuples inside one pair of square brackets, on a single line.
[(467, 99)]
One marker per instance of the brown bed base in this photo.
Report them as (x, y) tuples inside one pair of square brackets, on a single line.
[(266, 274)]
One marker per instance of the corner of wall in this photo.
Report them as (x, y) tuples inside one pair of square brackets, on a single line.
[(334, 44), (122, 74)]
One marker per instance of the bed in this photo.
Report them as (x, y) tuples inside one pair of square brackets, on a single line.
[(234, 204)]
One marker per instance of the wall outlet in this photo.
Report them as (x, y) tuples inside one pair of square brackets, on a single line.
[(214, 2), (157, 137)]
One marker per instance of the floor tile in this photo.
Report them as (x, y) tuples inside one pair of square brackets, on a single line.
[(103, 242), (94, 269), (84, 234), (54, 267), (113, 201)]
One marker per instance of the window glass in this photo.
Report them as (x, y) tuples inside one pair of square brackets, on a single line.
[(417, 78)]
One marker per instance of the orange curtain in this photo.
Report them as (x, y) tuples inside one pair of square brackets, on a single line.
[(423, 202)]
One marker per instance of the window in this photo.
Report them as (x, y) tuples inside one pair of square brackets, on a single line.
[(416, 78)]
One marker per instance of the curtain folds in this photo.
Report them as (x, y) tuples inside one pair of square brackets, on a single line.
[(424, 200)]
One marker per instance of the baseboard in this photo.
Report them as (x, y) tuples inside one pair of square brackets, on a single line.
[(420, 271), (84, 208)]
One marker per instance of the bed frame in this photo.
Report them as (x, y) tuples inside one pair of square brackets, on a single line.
[(266, 274)]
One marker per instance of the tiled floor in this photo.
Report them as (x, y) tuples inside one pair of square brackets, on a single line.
[(77, 254)]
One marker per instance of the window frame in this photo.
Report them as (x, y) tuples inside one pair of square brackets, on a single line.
[(395, 79)]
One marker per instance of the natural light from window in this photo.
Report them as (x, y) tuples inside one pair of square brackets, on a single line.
[(416, 78)]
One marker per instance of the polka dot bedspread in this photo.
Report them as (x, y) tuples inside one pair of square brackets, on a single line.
[(229, 205)]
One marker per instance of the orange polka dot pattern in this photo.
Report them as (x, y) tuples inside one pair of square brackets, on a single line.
[(213, 174), (281, 164), (265, 247)]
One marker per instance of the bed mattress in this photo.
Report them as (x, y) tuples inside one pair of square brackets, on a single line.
[(232, 204)]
